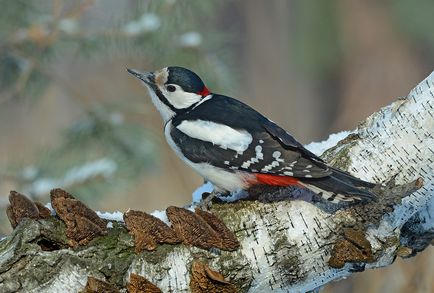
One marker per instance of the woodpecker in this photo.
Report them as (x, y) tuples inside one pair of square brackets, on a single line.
[(235, 147)]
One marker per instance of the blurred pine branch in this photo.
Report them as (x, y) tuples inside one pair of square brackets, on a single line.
[(103, 150)]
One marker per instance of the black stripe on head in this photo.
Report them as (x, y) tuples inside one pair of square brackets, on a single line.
[(166, 102), (187, 79), (163, 99)]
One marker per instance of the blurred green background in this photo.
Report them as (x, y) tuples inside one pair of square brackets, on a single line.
[(71, 117)]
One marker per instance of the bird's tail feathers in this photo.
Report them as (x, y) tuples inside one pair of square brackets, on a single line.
[(346, 177), (341, 187)]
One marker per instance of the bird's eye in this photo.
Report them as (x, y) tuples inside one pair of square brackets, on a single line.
[(171, 88)]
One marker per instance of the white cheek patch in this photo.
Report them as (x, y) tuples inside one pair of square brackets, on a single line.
[(218, 134), (180, 99)]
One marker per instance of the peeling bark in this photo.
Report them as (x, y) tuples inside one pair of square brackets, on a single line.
[(284, 245)]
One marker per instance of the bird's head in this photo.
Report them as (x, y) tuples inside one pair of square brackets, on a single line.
[(173, 89)]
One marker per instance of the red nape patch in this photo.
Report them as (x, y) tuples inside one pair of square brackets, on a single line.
[(204, 92), (275, 180)]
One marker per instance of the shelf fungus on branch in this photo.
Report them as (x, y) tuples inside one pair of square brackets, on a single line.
[(148, 231), (139, 284), (82, 223), (204, 279), (201, 229), (95, 285), (21, 207)]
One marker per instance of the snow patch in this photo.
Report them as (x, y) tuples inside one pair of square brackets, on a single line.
[(50, 207), (161, 215), (114, 216), (318, 148), (235, 196), (209, 187), (206, 187)]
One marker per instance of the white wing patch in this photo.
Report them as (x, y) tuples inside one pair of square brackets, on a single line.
[(218, 134)]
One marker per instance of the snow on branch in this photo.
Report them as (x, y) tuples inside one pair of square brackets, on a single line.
[(284, 245)]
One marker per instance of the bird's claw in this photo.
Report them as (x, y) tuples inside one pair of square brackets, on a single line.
[(206, 200)]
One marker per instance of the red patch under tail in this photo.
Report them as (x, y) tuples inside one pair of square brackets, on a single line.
[(275, 180)]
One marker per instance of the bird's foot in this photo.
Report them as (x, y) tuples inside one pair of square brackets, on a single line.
[(207, 198)]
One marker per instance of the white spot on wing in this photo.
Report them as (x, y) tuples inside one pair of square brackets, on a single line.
[(270, 166), (245, 165), (218, 134), (259, 156), (277, 155)]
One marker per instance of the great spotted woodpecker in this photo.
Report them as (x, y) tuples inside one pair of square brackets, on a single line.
[(233, 146)]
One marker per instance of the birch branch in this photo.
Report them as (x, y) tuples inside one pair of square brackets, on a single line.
[(293, 245)]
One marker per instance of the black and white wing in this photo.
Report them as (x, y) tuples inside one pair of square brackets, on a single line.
[(229, 134)]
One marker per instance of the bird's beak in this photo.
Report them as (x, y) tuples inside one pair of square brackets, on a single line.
[(146, 77)]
